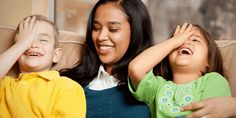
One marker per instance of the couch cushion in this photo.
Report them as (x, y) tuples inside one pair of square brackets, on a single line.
[(72, 45), (228, 50), (6, 40)]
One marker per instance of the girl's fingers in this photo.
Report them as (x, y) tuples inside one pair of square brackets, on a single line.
[(186, 36), (189, 34), (183, 28), (177, 30), (188, 29)]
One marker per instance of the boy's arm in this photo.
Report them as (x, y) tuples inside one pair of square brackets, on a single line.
[(145, 61), (23, 40)]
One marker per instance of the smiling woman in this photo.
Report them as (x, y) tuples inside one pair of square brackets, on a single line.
[(114, 28), (111, 34)]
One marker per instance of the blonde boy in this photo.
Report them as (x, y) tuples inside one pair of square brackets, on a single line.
[(37, 92)]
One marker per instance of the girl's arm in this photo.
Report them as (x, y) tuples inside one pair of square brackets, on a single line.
[(23, 40), (145, 61)]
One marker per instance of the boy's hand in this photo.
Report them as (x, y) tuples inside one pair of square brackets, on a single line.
[(27, 31), (182, 34)]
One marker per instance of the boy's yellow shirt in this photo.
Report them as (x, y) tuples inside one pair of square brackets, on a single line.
[(41, 95)]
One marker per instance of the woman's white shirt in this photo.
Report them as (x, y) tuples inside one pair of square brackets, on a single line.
[(103, 80)]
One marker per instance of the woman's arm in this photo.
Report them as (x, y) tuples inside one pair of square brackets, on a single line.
[(145, 61)]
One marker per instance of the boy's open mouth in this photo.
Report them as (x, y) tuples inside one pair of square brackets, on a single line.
[(33, 54)]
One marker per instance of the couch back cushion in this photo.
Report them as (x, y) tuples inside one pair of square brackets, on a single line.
[(228, 51), (73, 45)]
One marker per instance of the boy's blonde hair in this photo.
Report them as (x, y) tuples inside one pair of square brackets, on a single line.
[(44, 18)]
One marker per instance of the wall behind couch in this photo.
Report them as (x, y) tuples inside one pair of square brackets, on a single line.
[(12, 11)]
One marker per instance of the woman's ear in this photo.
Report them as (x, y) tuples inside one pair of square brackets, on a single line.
[(57, 55)]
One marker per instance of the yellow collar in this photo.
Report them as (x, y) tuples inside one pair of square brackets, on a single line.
[(48, 75)]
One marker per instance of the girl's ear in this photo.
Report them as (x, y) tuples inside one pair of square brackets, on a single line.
[(57, 55), (207, 68)]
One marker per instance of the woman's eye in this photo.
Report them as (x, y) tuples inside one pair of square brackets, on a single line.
[(113, 30), (96, 28)]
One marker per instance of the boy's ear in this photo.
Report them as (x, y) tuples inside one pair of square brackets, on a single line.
[(57, 55)]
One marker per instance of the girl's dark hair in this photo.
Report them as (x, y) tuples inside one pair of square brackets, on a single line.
[(214, 58), (141, 38)]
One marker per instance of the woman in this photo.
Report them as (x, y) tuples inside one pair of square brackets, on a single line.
[(117, 31)]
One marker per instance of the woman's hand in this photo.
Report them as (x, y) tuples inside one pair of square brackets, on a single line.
[(218, 107)]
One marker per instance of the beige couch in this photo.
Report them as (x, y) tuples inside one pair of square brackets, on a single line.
[(73, 45)]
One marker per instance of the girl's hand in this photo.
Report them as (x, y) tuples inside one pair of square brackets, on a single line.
[(218, 107), (182, 34), (27, 32)]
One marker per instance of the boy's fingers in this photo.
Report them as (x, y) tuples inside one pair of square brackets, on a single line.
[(32, 22), (21, 26), (35, 26), (26, 22)]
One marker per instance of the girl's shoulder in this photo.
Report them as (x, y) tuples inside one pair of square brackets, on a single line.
[(212, 79), (213, 76)]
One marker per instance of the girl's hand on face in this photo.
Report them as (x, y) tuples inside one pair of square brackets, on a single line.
[(218, 107), (27, 32), (182, 34)]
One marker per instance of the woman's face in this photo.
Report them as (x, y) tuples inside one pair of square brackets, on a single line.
[(111, 33)]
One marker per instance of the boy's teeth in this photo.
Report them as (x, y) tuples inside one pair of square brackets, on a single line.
[(32, 54)]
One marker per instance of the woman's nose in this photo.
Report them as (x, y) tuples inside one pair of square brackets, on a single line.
[(103, 34)]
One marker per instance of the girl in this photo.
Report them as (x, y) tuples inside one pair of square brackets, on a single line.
[(114, 28), (189, 68)]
